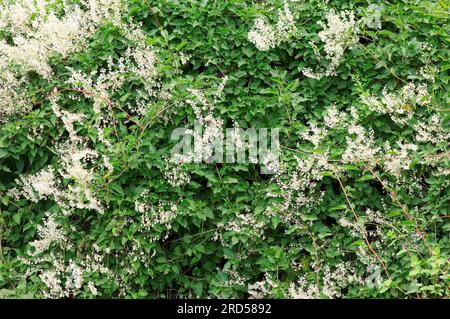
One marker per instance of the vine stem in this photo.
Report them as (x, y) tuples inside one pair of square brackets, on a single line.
[(364, 236), (394, 197)]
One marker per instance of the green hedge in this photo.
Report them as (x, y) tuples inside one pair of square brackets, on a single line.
[(91, 206)]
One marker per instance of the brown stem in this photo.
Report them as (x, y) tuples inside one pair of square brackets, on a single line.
[(363, 235), (394, 197)]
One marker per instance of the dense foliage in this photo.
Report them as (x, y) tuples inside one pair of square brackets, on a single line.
[(92, 206)]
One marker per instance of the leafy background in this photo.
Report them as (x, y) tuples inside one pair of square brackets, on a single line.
[(264, 89)]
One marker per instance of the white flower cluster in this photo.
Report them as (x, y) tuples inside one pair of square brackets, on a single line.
[(208, 132), (399, 105), (373, 16), (339, 33), (175, 175), (334, 281), (357, 229), (160, 214), (440, 164), (333, 117), (302, 289), (417, 93), (428, 72), (432, 132), (398, 160), (265, 36), (36, 187), (52, 280), (141, 254), (140, 204), (38, 33), (79, 194), (184, 58), (64, 278), (68, 119), (49, 233), (314, 134), (74, 158), (205, 144), (338, 278), (13, 99), (298, 187), (92, 288), (75, 278), (362, 146), (270, 161), (234, 278), (262, 289), (139, 59), (246, 224)]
